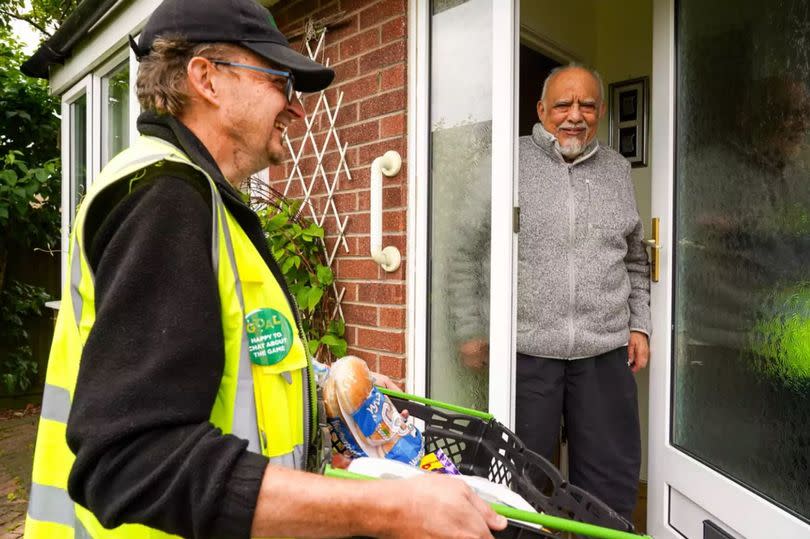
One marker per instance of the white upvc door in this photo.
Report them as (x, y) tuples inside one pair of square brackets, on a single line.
[(688, 487), (503, 248), (462, 154)]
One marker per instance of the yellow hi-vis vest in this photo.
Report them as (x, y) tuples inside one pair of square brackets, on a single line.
[(267, 394)]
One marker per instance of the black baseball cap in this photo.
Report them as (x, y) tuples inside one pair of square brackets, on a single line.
[(243, 22)]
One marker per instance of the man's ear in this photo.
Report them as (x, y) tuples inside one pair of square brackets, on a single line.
[(602, 109), (202, 78), (540, 110)]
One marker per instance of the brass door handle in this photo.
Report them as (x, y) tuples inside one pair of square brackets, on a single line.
[(654, 244)]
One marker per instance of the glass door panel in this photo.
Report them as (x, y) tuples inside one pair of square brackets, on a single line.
[(460, 200), (741, 313)]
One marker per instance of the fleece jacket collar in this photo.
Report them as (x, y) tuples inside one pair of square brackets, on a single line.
[(549, 144), (173, 131)]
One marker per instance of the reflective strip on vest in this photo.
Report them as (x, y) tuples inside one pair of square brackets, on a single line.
[(55, 403), (245, 423), (51, 504), (75, 280)]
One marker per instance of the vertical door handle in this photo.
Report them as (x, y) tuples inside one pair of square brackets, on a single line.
[(388, 164), (654, 244)]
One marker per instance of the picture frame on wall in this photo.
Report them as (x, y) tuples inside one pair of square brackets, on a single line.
[(629, 112)]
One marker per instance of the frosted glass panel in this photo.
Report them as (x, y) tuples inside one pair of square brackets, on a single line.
[(460, 185), (742, 254)]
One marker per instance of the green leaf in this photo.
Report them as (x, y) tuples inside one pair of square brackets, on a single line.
[(9, 177), (313, 346), (285, 267), (314, 297), (314, 230), (278, 220), (302, 296), (325, 275), (337, 327), (336, 346)]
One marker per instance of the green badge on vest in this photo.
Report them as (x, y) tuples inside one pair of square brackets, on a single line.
[(270, 336)]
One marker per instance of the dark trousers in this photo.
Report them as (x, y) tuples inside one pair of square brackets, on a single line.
[(597, 398)]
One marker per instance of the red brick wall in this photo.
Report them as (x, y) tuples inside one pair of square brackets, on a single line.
[(368, 50)]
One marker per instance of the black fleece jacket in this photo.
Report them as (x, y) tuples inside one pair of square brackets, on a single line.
[(145, 449)]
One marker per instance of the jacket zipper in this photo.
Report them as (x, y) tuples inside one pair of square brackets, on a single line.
[(308, 423), (572, 246), (588, 209)]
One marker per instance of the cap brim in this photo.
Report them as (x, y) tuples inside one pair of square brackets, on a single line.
[(310, 76)]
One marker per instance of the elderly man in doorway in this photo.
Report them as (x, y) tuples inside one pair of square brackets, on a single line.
[(583, 315), (583, 293)]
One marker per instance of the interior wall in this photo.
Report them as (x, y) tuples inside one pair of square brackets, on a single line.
[(615, 38)]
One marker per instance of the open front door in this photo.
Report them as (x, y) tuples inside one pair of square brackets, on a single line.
[(730, 369), (470, 236)]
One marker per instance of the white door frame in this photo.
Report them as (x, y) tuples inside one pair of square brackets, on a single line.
[(503, 257), (505, 22), (728, 504)]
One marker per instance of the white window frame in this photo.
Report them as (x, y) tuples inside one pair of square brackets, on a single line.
[(104, 71), (83, 88)]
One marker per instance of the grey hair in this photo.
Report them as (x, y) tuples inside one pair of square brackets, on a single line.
[(574, 65)]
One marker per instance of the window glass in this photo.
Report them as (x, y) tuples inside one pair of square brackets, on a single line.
[(741, 380), (78, 153), (115, 112), (460, 172)]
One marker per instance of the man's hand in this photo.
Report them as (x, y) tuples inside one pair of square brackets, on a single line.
[(384, 381), (441, 507), (638, 351), (474, 354)]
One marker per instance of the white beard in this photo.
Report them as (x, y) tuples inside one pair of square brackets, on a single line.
[(571, 149)]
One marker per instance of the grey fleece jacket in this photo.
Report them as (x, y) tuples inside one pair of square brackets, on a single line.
[(583, 271)]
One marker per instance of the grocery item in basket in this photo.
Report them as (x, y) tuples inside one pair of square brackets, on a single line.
[(371, 418), (487, 490), (438, 462), (342, 438)]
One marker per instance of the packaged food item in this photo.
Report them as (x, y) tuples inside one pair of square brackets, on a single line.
[(375, 425), (438, 462), (342, 439)]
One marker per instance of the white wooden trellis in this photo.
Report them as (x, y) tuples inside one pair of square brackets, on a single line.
[(319, 174)]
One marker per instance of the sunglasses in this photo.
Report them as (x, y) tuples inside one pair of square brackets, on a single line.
[(289, 88)]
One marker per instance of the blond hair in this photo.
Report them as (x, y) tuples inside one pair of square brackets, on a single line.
[(162, 81)]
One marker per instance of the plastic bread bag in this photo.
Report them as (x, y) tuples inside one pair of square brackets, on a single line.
[(343, 440), (377, 429)]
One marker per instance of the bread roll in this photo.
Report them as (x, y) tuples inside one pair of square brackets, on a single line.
[(372, 418), (343, 441)]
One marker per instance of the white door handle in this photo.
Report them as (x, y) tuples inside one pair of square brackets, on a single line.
[(389, 164)]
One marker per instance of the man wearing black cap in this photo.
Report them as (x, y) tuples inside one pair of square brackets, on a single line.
[(182, 419)]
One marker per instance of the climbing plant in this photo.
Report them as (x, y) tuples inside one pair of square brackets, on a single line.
[(298, 247)]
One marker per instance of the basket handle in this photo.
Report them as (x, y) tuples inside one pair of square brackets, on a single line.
[(541, 519), (438, 404)]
